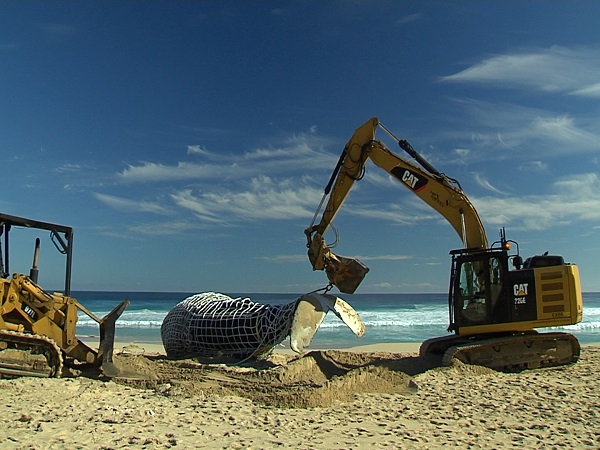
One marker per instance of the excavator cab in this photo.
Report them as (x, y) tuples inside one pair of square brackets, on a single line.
[(495, 310), (487, 296), (477, 295)]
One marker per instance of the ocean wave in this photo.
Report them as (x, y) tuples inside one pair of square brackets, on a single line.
[(125, 323), (581, 326), (413, 318)]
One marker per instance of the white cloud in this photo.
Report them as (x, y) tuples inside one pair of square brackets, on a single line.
[(154, 172), (197, 150), (383, 257), (408, 19), (228, 189), (185, 199), (533, 167), (575, 200), (254, 187), (68, 168), (170, 228), (264, 198), (382, 285), (378, 178), (589, 91), (484, 183), (128, 205), (285, 258), (505, 130), (408, 213), (300, 150), (567, 70), (584, 185), (563, 129), (462, 155), (303, 258)]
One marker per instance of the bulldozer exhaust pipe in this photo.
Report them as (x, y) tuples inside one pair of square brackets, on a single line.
[(34, 271)]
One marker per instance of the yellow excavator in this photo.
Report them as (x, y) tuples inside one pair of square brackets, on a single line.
[(37, 328), (493, 309)]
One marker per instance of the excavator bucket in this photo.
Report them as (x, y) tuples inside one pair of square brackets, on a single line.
[(107, 339), (345, 273)]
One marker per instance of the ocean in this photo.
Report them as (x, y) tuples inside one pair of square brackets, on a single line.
[(389, 318)]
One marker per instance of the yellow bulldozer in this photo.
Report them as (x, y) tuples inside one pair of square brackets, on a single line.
[(38, 328)]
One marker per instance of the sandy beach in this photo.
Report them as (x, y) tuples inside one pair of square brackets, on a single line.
[(373, 396)]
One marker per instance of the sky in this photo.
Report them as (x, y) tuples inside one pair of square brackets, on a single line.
[(189, 142)]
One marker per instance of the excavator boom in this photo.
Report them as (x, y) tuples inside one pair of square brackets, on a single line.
[(442, 193)]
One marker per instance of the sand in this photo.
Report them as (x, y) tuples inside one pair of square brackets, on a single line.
[(369, 397)]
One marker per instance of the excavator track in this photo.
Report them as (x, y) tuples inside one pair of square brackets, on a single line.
[(506, 353), (31, 355)]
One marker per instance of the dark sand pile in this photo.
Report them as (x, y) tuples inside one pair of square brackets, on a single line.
[(316, 379)]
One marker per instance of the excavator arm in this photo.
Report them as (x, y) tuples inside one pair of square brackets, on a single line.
[(439, 191)]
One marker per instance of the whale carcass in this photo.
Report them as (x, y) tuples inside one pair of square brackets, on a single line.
[(215, 325)]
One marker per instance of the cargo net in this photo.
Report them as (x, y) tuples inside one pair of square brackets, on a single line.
[(216, 325)]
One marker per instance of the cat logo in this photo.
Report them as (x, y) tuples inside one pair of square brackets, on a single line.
[(412, 179), (520, 290)]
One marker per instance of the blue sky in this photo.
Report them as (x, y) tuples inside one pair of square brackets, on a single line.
[(188, 143)]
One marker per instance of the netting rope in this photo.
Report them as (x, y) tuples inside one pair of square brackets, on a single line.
[(215, 325)]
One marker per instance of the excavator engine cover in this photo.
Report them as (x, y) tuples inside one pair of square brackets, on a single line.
[(345, 273)]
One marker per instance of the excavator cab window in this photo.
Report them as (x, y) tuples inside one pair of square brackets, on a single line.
[(478, 288)]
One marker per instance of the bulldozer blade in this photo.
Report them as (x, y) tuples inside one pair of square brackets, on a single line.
[(107, 339), (345, 273), (110, 370)]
